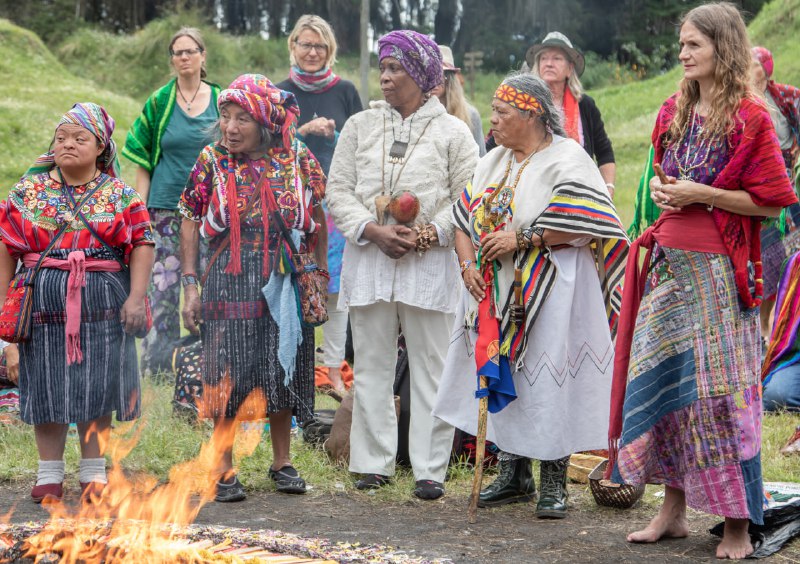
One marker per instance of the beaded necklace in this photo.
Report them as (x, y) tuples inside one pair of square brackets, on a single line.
[(498, 201), (685, 167)]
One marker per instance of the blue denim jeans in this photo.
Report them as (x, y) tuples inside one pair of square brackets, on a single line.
[(783, 390)]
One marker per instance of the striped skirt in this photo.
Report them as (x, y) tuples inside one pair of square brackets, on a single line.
[(692, 412), (240, 346), (108, 378)]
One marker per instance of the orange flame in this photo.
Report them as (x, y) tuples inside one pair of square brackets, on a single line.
[(137, 519)]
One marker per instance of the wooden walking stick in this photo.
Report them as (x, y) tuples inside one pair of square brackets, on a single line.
[(518, 317), (480, 450)]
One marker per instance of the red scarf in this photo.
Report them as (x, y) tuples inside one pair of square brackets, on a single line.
[(572, 117), (756, 165)]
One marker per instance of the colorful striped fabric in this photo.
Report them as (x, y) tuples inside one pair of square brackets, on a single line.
[(784, 347), (143, 143), (575, 208)]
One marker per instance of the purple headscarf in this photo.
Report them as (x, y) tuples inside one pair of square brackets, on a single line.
[(418, 54)]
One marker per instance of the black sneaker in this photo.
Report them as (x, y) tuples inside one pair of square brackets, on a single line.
[(372, 482), (428, 489), (287, 480), (230, 491)]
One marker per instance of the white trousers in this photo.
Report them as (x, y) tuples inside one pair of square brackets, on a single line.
[(334, 334), (373, 435)]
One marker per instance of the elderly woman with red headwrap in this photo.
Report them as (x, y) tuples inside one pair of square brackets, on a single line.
[(258, 359), (396, 172), (89, 232), (780, 238)]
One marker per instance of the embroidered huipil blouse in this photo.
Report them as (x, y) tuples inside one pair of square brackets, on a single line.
[(205, 198), (38, 205)]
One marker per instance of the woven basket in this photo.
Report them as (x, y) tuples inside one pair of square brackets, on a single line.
[(609, 494)]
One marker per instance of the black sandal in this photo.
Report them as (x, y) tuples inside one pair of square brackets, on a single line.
[(372, 482), (287, 480)]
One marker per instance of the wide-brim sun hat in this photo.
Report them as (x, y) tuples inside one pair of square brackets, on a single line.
[(448, 62), (557, 40)]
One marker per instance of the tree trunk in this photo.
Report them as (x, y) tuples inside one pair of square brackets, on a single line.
[(444, 24)]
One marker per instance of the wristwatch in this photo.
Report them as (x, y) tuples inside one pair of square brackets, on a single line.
[(188, 280)]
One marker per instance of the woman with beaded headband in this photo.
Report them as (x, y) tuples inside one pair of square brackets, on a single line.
[(686, 398), (537, 217), (396, 171)]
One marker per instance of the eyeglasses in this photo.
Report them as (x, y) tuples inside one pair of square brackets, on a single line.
[(307, 47), (181, 52)]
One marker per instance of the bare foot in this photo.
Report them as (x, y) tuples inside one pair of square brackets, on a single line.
[(663, 526), (335, 376), (735, 540)]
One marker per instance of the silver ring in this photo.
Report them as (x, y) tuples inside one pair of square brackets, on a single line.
[(469, 288)]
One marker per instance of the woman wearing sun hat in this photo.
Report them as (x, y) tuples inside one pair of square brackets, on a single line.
[(560, 65)]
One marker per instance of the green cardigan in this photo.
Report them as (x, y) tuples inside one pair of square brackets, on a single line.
[(143, 144)]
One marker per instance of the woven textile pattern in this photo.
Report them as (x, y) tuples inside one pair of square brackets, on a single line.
[(693, 405)]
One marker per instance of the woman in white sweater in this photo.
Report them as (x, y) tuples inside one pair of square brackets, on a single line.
[(396, 172)]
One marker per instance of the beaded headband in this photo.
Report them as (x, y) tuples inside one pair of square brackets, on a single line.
[(520, 100)]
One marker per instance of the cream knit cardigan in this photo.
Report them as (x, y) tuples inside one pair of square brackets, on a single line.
[(439, 164)]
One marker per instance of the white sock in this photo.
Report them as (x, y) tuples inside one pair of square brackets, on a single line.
[(93, 470), (50, 472)]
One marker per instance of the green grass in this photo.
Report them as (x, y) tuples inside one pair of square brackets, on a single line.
[(166, 440)]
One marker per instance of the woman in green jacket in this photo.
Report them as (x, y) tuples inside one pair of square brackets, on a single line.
[(164, 142)]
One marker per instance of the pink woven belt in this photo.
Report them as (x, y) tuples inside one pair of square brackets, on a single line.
[(77, 264)]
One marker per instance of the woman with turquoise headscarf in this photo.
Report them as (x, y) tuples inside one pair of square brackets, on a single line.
[(92, 233)]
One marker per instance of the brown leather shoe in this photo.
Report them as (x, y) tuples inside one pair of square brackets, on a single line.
[(53, 491)]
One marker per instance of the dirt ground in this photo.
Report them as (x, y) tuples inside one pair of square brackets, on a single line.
[(439, 529)]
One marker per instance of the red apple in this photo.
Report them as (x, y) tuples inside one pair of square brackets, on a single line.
[(404, 206)]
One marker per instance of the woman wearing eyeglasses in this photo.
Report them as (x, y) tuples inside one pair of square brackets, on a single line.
[(326, 102), (164, 142)]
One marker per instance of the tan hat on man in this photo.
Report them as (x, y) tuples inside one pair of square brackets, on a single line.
[(556, 40)]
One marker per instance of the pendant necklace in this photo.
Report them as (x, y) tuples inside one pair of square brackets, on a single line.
[(382, 200), (684, 167), (188, 102), (397, 152), (499, 201)]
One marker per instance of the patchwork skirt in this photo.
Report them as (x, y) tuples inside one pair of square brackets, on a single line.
[(240, 346), (692, 412), (107, 380)]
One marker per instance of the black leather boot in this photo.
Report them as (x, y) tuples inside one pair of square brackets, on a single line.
[(553, 493), (513, 485)]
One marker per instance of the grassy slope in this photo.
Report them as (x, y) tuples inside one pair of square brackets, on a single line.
[(36, 92)]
